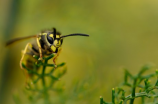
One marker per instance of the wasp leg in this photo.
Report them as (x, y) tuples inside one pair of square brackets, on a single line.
[(55, 57), (23, 54), (40, 49)]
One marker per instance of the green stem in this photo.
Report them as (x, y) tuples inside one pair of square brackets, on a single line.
[(101, 100), (113, 96), (121, 102), (43, 72), (143, 102), (133, 91), (42, 76), (45, 90)]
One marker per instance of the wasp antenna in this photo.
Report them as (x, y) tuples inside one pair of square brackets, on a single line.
[(76, 34), (54, 30)]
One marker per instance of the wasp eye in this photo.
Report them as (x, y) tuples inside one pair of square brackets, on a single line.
[(50, 39)]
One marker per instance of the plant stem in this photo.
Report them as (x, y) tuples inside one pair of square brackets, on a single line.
[(45, 91), (133, 91), (101, 100), (113, 96), (143, 102)]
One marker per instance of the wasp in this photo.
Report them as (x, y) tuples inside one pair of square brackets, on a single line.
[(45, 43)]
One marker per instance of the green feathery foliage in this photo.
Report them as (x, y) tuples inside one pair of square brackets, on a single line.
[(41, 83), (146, 92)]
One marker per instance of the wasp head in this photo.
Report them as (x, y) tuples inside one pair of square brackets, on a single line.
[(55, 39)]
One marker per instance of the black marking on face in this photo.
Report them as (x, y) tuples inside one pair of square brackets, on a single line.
[(56, 50), (61, 41)]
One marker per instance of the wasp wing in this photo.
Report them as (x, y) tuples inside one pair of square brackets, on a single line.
[(20, 38)]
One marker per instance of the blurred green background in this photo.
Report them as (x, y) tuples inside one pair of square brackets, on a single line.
[(123, 34)]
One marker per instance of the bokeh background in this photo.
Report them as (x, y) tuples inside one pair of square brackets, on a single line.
[(123, 34)]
